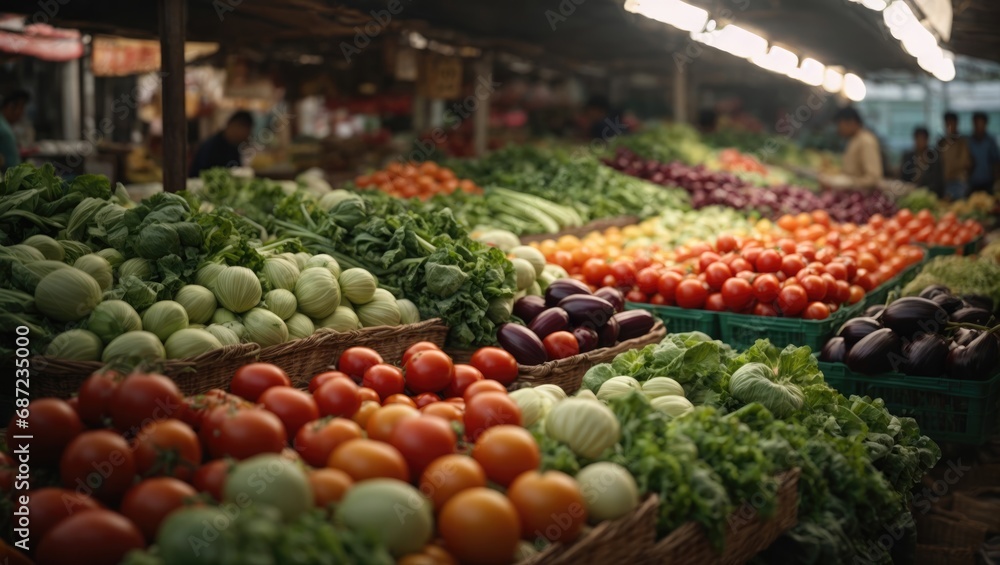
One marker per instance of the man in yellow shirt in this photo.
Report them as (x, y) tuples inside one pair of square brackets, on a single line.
[(956, 159), (862, 161)]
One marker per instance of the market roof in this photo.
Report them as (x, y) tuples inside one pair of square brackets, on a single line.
[(975, 29)]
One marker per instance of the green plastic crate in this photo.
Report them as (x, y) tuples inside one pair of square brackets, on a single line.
[(948, 410), (680, 320), (741, 331), (970, 248), (881, 293)]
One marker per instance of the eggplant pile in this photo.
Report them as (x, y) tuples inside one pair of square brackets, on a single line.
[(596, 320), (932, 335)]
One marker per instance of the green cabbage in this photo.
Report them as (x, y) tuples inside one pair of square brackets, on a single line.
[(49, 247), (112, 318), (97, 267), (755, 382)]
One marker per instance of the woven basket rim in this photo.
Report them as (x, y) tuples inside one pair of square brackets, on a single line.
[(654, 335), (169, 365)]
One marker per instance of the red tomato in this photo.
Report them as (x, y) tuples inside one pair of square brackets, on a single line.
[(706, 259), (167, 447), (49, 506), (465, 375), (594, 270), (667, 286), (445, 410), (560, 345), (495, 364), (425, 398), (356, 360), (52, 423), (417, 348), (740, 264), (842, 292), (717, 273), (857, 294), (726, 243), (95, 398), (636, 295), (752, 253), (658, 300), (866, 280), (624, 274), (737, 294), (320, 379), (384, 379), (792, 300), (94, 536), (814, 286), (244, 433), (769, 261), (422, 440), (429, 371), (648, 279), (338, 397), (250, 381), (764, 309), (715, 303), (141, 398), (489, 409), (837, 270), (786, 245), (791, 264), (317, 440), (149, 502), (365, 393), (211, 477), (691, 293), (816, 311), (483, 386), (766, 287), (98, 463), (294, 407)]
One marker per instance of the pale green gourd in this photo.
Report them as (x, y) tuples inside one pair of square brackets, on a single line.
[(616, 387), (282, 302), (135, 267), (673, 406), (662, 386), (299, 326), (531, 255), (608, 489), (111, 255), (198, 301), (318, 292), (164, 318), (225, 335), (380, 311), (357, 285), (75, 345), (408, 311), (265, 328), (533, 404), (141, 345), (186, 343), (587, 427), (97, 267), (207, 275), (237, 289), (524, 271), (50, 248), (67, 295), (221, 316), (554, 392), (325, 261), (279, 273), (343, 319), (112, 318)]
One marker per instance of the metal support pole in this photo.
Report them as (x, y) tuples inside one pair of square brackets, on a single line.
[(680, 94), (481, 123), (173, 21)]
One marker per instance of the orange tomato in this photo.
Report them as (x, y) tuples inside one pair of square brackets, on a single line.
[(480, 525), (399, 399), (369, 459), (446, 410), (368, 407), (549, 504), (384, 420), (329, 486), (449, 475), (505, 452)]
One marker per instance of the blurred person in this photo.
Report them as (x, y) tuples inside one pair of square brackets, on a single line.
[(11, 111), (922, 164), (223, 148), (956, 161), (599, 120), (985, 156), (708, 121), (862, 161)]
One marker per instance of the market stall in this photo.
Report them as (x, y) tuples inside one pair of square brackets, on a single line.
[(674, 346)]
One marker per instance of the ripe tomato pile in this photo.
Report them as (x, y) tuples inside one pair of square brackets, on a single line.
[(416, 180), (903, 228), (110, 465)]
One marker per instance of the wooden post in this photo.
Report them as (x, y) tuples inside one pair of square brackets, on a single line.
[(680, 94), (173, 22), (481, 123)]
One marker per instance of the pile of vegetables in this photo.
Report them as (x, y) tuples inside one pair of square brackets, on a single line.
[(935, 334), (978, 206), (577, 180), (416, 180), (570, 320), (708, 188), (733, 421), (978, 276)]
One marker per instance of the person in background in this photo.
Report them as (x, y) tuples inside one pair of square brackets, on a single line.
[(223, 148), (956, 161), (599, 121), (985, 156), (922, 165), (708, 121), (11, 111), (862, 162)]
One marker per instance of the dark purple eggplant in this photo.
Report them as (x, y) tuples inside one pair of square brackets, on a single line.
[(550, 321), (971, 315), (925, 356), (634, 323), (875, 311), (976, 361), (913, 314), (608, 335), (856, 328), (562, 288), (964, 336), (587, 310), (528, 307), (833, 351), (979, 301), (877, 352), (612, 295), (586, 338), (934, 290), (949, 302), (522, 343)]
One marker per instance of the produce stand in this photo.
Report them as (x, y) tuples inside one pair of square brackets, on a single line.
[(741, 330), (597, 225), (682, 319), (880, 294), (961, 411), (970, 248)]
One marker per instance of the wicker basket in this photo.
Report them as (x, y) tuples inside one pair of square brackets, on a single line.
[(626, 540), (981, 505), (948, 528), (744, 537), (941, 555), (303, 358), (596, 225), (61, 378)]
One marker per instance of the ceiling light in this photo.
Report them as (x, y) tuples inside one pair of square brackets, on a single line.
[(854, 87), (674, 12), (811, 72), (778, 59), (877, 5), (833, 80)]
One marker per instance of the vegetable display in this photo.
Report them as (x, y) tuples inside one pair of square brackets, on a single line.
[(416, 180)]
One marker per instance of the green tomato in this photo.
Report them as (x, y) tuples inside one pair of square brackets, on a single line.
[(196, 536), (270, 480)]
